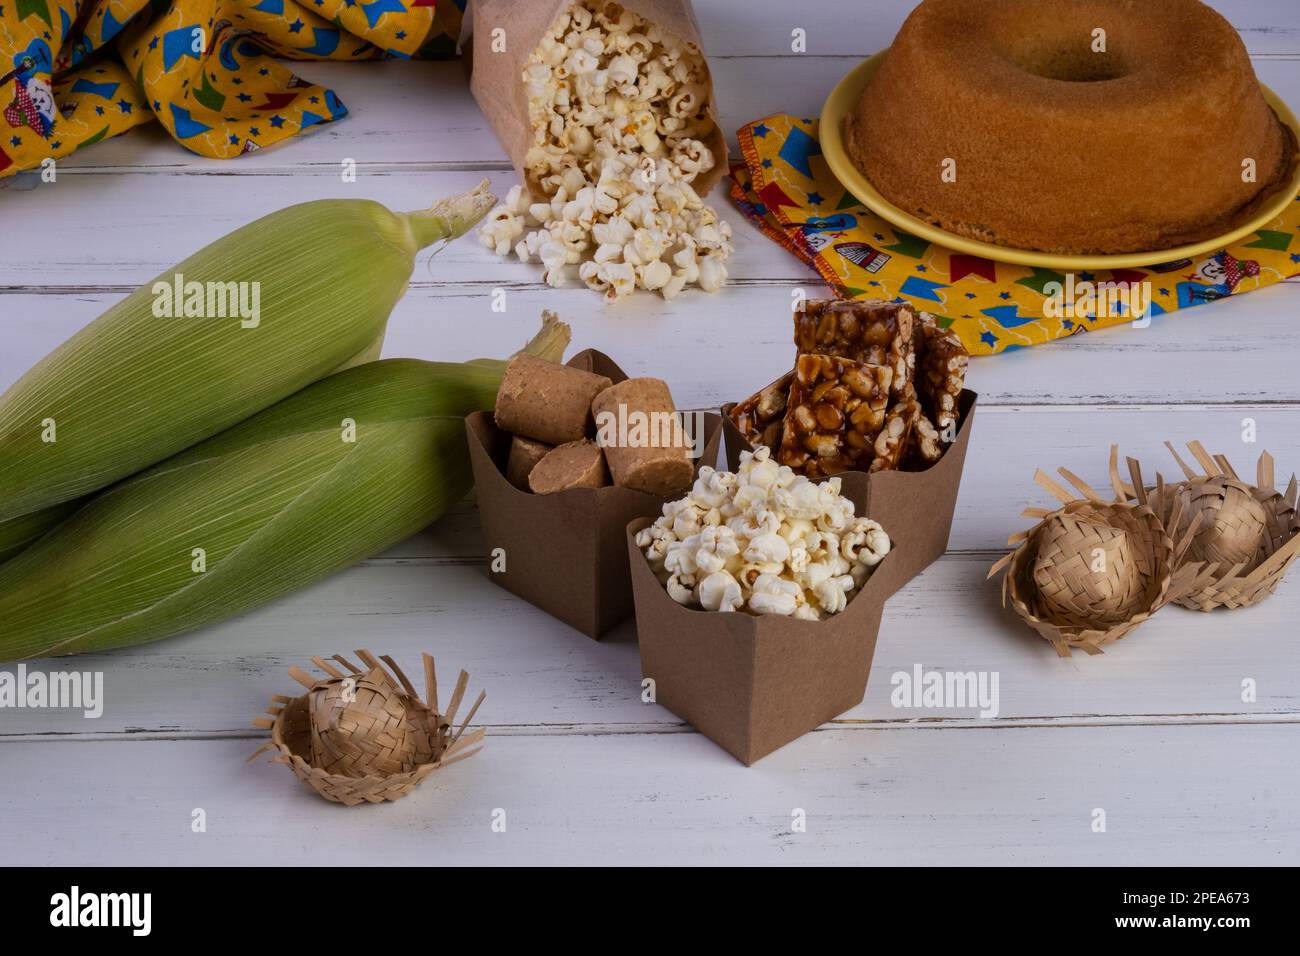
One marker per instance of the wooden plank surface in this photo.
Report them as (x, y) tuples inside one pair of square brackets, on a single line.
[(1199, 796), (723, 347), (1181, 667)]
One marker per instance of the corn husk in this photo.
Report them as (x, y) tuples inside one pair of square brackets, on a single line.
[(22, 530), (133, 388), (269, 506), (365, 736), (1089, 573)]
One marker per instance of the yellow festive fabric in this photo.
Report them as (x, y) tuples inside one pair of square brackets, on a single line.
[(74, 72), (785, 187)]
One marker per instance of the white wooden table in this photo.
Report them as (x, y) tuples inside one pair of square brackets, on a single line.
[(1155, 732)]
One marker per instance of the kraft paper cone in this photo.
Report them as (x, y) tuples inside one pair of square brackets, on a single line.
[(563, 552), (499, 90)]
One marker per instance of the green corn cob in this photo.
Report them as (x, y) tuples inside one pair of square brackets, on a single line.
[(133, 388), (270, 505)]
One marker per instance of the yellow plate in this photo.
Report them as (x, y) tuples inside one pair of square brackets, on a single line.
[(845, 96)]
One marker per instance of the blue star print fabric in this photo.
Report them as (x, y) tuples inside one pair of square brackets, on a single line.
[(74, 72)]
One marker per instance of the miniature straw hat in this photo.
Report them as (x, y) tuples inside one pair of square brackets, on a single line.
[(365, 725), (1247, 536), (1093, 570), (365, 736)]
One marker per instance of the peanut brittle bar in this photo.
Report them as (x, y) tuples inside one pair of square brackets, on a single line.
[(941, 363), (835, 412), (871, 332), (895, 436), (760, 416), (925, 446)]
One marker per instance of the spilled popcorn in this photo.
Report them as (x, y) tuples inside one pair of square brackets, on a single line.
[(763, 540), (619, 112)]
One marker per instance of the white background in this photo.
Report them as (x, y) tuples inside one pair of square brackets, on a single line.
[(1155, 732)]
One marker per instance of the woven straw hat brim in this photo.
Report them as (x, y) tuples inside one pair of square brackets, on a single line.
[(1069, 601), (1236, 509), (1072, 617), (1061, 598), (296, 736)]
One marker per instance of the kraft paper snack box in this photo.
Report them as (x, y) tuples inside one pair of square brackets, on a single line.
[(563, 552), (752, 684)]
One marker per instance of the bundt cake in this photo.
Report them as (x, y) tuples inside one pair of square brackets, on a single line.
[(1071, 126)]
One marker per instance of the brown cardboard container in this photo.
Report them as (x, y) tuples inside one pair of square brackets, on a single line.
[(496, 81), (753, 684), (914, 507), (564, 552)]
